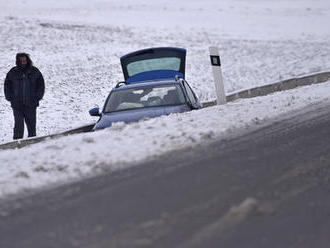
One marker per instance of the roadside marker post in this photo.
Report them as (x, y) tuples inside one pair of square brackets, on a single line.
[(217, 74)]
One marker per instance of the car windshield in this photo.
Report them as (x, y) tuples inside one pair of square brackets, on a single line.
[(166, 63), (152, 96)]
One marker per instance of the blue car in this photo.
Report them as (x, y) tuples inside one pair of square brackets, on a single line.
[(154, 85)]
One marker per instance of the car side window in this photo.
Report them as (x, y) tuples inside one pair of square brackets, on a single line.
[(190, 93)]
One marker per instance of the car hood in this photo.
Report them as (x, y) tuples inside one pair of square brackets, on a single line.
[(127, 116)]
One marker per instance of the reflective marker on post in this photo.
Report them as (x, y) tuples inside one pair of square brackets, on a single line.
[(217, 74)]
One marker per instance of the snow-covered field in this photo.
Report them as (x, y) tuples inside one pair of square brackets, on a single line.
[(77, 45)]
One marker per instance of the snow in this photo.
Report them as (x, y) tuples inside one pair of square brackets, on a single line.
[(77, 45)]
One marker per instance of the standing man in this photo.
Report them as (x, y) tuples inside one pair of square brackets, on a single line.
[(24, 88)]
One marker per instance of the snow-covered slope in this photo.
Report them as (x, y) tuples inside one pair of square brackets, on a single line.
[(77, 45), (73, 157)]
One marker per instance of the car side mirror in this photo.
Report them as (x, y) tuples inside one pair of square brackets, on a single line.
[(194, 105), (198, 105), (95, 112), (191, 106)]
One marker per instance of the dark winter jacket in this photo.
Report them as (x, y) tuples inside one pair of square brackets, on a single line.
[(24, 87)]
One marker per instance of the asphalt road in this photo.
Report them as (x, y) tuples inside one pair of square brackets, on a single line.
[(267, 187)]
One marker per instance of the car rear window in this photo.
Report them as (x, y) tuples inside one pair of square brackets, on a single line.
[(164, 95), (166, 63)]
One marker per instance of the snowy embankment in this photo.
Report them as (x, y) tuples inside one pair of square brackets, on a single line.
[(260, 42), (123, 145)]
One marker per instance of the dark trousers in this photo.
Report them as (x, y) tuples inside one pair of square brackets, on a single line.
[(27, 114)]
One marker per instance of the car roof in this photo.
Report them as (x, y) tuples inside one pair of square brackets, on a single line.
[(146, 84)]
